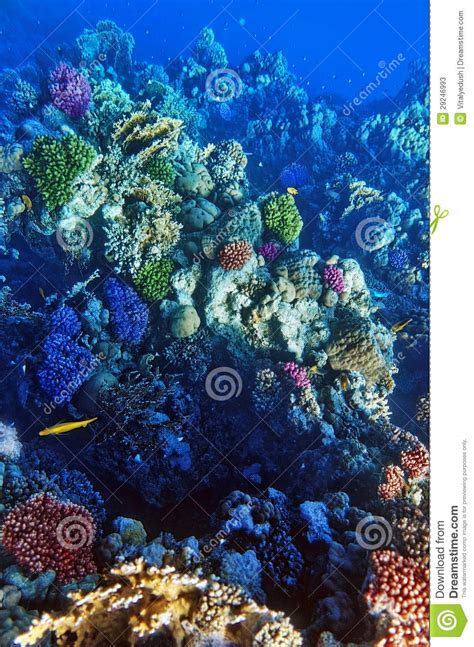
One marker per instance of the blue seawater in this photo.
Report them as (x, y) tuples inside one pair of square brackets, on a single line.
[(214, 299)]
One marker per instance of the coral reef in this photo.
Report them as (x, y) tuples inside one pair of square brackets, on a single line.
[(135, 603), (238, 372)]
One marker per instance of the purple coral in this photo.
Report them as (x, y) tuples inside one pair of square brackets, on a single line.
[(295, 175), (398, 258), (269, 251), (298, 374), (70, 90), (334, 278)]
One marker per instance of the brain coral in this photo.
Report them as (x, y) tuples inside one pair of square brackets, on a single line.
[(282, 217), (357, 345), (134, 603)]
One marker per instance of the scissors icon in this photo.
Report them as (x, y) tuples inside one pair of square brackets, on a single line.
[(439, 215)]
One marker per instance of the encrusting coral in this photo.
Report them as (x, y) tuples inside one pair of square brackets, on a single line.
[(134, 603)]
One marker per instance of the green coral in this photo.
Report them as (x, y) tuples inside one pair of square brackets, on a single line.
[(161, 170), (282, 217), (153, 279), (55, 163)]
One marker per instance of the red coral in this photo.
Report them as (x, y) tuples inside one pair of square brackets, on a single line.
[(416, 462), (233, 256), (393, 485), (45, 533), (398, 590)]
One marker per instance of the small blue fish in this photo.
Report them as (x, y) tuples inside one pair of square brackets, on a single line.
[(378, 295)]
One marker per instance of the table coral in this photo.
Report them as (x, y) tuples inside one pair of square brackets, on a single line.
[(135, 603), (45, 533), (146, 134)]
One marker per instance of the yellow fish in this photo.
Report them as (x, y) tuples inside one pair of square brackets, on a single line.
[(292, 191), (344, 382), (63, 427), (400, 325), (314, 370), (27, 202)]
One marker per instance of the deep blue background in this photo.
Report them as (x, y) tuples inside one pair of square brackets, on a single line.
[(333, 46)]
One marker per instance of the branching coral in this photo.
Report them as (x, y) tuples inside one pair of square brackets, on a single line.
[(70, 90), (161, 170), (282, 217), (334, 277), (235, 255), (134, 603), (46, 534), (55, 163), (398, 598), (65, 366), (129, 315), (153, 279), (10, 446), (141, 232)]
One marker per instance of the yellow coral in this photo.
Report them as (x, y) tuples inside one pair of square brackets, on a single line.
[(144, 133), (133, 603), (361, 196)]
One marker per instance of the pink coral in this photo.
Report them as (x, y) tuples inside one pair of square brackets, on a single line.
[(334, 277), (46, 534), (415, 462), (233, 256), (399, 588), (270, 251), (70, 90), (298, 374), (394, 483)]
